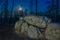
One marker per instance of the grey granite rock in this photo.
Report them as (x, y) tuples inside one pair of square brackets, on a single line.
[(53, 32)]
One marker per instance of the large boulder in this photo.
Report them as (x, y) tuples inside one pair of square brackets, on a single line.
[(39, 21), (30, 30), (27, 31), (53, 31)]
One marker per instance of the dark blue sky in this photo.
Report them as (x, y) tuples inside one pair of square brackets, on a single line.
[(42, 4)]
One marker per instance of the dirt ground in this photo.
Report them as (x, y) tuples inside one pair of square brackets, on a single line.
[(14, 36)]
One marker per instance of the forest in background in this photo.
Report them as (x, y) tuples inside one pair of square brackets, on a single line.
[(53, 10)]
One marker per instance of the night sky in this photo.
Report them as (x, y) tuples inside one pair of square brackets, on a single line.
[(42, 5)]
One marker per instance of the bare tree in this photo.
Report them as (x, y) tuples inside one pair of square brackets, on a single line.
[(5, 11), (57, 8), (12, 7), (0, 2), (31, 6), (36, 6), (51, 10)]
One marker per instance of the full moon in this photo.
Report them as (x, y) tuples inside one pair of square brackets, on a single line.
[(20, 9)]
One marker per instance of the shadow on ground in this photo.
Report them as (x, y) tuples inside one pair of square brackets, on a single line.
[(13, 36)]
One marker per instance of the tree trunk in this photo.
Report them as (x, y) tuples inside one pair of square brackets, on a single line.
[(57, 8), (31, 6), (12, 7), (36, 6), (6, 11)]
